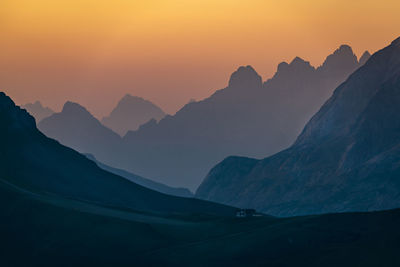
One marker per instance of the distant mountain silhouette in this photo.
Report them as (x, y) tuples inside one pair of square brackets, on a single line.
[(347, 158), (130, 113), (247, 118), (75, 127), (32, 163), (38, 111), (179, 192)]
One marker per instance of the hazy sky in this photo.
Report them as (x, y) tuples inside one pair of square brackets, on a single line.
[(168, 51)]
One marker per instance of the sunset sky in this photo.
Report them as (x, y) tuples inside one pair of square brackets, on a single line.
[(169, 51)]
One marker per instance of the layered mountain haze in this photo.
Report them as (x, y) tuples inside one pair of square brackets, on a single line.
[(38, 111), (347, 158), (199, 133), (75, 127), (130, 113), (247, 118)]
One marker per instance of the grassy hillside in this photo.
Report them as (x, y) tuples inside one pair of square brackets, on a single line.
[(48, 230)]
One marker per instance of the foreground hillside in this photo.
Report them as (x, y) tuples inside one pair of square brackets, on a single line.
[(58, 208), (180, 192), (346, 159), (32, 161), (52, 231)]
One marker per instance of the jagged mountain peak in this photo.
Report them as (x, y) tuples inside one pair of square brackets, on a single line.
[(74, 108), (299, 64), (296, 64), (298, 67), (298, 61), (37, 110), (343, 57), (348, 100), (364, 58), (130, 98), (130, 113), (346, 158), (37, 103), (344, 48), (244, 77), (130, 103), (283, 66)]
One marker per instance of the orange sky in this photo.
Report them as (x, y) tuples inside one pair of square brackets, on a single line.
[(169, 51)]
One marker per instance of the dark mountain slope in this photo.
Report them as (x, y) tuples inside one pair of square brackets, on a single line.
[(179, 192), (354, 239), (130, 113), (30, 160), (346, 159), (41, 232)]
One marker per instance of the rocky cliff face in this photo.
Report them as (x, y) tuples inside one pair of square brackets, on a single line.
[(346, 159)]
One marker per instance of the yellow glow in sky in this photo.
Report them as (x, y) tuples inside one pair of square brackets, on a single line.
[(169, 51)]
